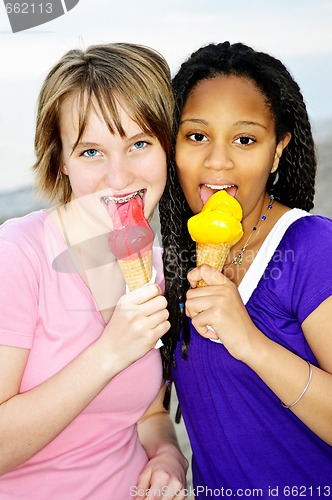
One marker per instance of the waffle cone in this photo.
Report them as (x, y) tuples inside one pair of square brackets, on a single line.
[(137, 272), (213, 255)]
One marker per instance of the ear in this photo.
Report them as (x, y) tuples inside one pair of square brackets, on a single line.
[(279, 149), (63, 169)]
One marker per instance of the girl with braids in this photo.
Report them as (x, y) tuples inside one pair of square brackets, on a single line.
[(251, 352), (81, 386)]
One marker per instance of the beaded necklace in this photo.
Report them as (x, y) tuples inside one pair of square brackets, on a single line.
[(254, 233)]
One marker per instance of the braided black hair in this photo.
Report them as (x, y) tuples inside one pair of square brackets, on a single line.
[(293, 184)]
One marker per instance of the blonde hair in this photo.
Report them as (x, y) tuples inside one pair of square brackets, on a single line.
[(133, 74)]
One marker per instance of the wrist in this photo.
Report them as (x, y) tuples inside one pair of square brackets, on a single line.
[(173, 452), (258, 349), (107, 361)]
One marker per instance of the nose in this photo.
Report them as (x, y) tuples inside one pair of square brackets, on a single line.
[(218, 157), (118, 174)]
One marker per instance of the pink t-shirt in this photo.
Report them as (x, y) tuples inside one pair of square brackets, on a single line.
[(53, 314)]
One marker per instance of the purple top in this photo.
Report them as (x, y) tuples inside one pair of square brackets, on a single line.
[(241, 436)]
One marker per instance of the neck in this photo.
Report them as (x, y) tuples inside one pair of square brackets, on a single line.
[(254, 217), (84, 222), (242, 255)]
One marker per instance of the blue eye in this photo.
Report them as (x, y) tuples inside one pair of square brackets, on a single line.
[(140, 144), (91, 153)]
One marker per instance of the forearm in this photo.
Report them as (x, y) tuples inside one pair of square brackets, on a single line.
[(157, 435), (167, 467), (287, 375), (31, 420)]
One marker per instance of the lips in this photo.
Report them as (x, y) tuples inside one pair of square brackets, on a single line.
[(114, 203), (123, 198), (207, 190)]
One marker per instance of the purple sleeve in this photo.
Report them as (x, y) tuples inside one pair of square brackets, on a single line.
[(18, 296), (307, 281)]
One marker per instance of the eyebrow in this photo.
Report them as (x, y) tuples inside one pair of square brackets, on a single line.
[(194, 120), (138, 136), (135, 137), (86, 145), (250, 123), (236, 124)]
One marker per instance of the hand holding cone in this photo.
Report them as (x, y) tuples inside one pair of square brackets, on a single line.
[(131, 242)]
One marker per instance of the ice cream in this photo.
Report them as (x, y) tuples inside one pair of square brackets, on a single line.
[(131, 240), (216, 229)]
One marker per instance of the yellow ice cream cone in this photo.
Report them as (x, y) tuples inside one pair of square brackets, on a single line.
[(216, 229), (213, 255)]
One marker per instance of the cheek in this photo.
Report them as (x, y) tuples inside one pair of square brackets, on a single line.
[(156, 169), (185, 175), (179, 143), (188, 163), (190, 190), (180, 157), (82, 185), (180, 164)]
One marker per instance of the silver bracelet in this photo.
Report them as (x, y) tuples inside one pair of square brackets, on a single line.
[(304, 390)]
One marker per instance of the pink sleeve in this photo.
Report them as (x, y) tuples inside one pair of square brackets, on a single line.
[(18, 296)]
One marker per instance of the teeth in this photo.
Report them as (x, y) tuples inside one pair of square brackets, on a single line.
[(122, 199), (215, 186)]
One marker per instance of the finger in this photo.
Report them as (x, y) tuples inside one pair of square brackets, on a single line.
[(207, 273), (161, 329), (153, 306), (142, 294), (142, 485), (174, 489), (206, 331), (193, 305), (157, 319), (200, 299), (211, 333), (212, 276), (178, 495), (205, 326), (144, 304), (194, 276)]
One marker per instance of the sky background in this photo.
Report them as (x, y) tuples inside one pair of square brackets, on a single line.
[(299, 32)]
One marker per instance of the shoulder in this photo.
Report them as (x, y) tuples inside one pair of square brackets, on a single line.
[(28, 227), (22, 239), (300, 270), (19, 224), (309, 232), (304, 248), (312, 223)]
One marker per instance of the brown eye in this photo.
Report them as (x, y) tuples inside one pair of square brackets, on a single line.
[(196, 137), (244, 140)]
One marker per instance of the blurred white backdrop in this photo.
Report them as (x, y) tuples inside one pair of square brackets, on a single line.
[(296, 31)]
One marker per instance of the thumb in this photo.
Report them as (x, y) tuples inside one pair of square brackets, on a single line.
[(209, 274)]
